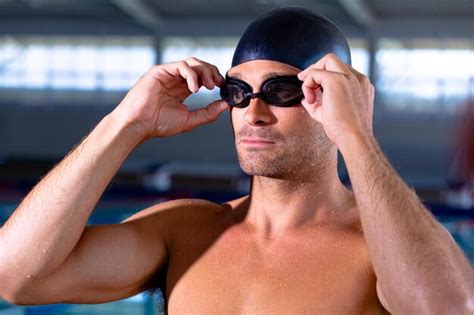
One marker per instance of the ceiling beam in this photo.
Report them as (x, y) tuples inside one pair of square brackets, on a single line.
[(390, 27), (71, 27), (141, 13), (360, 11)]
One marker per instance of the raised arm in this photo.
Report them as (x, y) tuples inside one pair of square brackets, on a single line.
[(419, 267), (46, 251)]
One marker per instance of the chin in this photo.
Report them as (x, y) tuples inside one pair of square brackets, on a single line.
[(266, 168)]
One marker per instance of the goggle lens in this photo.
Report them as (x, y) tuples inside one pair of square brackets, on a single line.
[(279, 92), (283, 91)]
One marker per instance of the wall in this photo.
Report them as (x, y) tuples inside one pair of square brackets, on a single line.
[(418, 149)]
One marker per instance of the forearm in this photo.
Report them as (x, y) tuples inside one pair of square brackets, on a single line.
[(416, 261), (48, 223)]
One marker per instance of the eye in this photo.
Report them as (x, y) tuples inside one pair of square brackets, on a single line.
[(283, 91), (236, 93)]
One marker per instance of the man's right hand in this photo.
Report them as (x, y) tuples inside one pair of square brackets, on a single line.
[(47, 254), (154, 106)]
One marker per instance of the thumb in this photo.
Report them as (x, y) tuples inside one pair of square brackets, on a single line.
[(205, 115), (314, 110)]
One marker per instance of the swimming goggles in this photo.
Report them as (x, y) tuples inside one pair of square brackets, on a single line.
[(282, 91)]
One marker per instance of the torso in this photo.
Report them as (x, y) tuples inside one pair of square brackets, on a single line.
[(217, 267)]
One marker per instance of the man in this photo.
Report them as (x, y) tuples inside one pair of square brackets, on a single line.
[(300, 242)]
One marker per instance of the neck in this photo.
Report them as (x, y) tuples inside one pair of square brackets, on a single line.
[(277, 206)]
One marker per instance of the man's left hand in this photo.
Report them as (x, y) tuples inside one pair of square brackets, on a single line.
[(338, 97)]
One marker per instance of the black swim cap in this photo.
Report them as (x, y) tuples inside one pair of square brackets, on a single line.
[(293, 35)]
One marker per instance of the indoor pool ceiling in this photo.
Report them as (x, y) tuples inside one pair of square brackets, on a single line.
[(229, 16)]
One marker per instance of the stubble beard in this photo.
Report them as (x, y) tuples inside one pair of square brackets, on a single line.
[(295, 158)]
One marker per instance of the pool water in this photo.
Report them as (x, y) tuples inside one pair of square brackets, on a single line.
[(140, 304)]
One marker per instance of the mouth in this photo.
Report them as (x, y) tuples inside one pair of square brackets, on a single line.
[(256, 142)]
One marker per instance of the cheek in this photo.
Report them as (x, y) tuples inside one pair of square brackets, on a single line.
[(303, 127), (295, 117), (237, 116)]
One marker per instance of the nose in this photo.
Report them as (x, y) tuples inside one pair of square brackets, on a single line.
[(258, 112)]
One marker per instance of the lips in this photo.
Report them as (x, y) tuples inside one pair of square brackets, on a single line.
[(256, 140), (256, 143)]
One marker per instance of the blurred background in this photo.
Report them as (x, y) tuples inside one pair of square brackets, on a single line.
[(65, 64)]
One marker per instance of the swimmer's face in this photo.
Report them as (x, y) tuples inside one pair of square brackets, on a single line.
[(296, 142)]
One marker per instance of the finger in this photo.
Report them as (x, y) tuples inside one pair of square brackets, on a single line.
[(322, 77), (331, 62), (191, 76), (216, 77), (205, 115), (183, 70), (208, 78), (313, 109), (312, 82), (309, 88), (209, 73), (204, 75), (303, 74)]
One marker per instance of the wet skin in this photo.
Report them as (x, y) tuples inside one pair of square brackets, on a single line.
[(217, 263), (260, 254)]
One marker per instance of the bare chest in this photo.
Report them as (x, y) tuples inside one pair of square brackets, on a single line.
[(234, 275)]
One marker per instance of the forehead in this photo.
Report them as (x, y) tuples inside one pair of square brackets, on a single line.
[(261, 69)]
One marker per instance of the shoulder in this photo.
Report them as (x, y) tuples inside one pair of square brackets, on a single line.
[(175, 209), (179, 212)]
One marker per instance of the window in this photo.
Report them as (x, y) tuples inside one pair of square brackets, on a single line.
[(360, 55), (423, 75), (219, 51), (79, 63), (215, 50)]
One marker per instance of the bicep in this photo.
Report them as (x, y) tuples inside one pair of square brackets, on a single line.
[(110, 262)]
